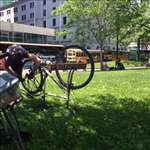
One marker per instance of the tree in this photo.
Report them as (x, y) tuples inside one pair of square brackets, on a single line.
[(128, 20), (97, 20), (89, 20)]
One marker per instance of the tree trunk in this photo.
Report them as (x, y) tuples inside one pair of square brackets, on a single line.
[(101, 58), (138, 49), (117, 46)]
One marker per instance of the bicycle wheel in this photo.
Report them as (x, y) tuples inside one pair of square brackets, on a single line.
[(32, 77), (75, 66)]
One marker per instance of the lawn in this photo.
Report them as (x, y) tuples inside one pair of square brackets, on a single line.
[(113, 113)]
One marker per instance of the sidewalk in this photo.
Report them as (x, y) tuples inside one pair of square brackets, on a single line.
[(136, 68), (127, 68)]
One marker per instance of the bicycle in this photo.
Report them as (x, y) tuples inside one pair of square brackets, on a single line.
[(69, 74), (64, 72)]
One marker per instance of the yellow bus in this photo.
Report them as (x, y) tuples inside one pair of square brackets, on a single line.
[(76, 55)]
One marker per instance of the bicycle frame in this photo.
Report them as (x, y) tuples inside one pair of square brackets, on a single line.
[(47, 72), (67, 90)]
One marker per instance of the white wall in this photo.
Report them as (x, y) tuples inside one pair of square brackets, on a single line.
[(6, 16)]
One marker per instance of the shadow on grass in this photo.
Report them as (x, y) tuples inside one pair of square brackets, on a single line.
[(110, 123)]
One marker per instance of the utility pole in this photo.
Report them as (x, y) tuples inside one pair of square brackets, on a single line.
[(117, 33)]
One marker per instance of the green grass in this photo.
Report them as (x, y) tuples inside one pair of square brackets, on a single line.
[(113, 113)]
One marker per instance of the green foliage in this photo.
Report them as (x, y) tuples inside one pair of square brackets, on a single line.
[(89, 19), (131, 18), (98, 20)]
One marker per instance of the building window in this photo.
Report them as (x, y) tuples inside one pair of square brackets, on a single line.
[(54, 8), (8, 11), (54, 1), (32, 5), (23, 17), (44, 23), (31, 15), (64, 20), (15, 10), (54, 22), (15, 19), (44, 12), (32, 24), (1, 14), (23, 7), (8, 20), (44, 2)]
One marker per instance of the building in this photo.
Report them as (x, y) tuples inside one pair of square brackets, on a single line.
[(35, 13), (24, 33), (39, 13)]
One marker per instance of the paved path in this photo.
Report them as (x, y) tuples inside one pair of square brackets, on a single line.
[(137, 68), (129, 68)]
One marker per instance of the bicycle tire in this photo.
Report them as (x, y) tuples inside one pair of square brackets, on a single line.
[(82, 84), (29, 78)]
